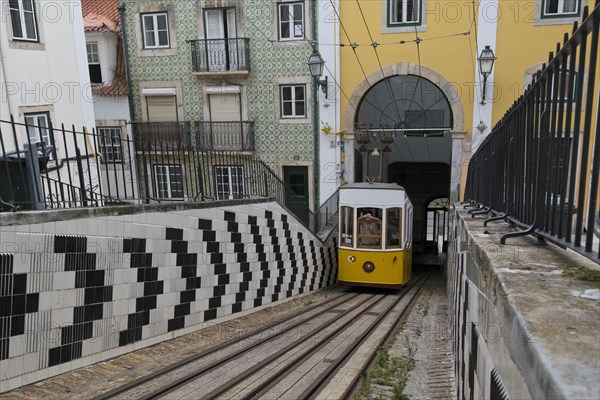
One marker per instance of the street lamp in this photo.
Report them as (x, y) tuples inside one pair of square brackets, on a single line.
[(316, 63), (486, 63)]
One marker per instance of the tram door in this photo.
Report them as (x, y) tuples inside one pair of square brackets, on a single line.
[(437, 231), (296, 177)]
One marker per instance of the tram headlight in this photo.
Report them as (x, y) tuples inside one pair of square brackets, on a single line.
[(369, 266), (351, 258)]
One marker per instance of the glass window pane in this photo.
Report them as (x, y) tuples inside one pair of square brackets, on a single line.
[(30, 25), (15, 20), (394, 228), (148, 22), (161, 21), (300, 108), (287, 109), (298, 12), (299, 92), (284, 12), (369, 228), (163, 38), (150, 39), (286, 92), (285, 30), (551, 6), (570, 6), (28, 5), (347, 227)]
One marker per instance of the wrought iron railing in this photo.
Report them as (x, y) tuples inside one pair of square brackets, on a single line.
[(159, 133), (231, 135), (205, 135), (539, 167), (220, 55), (73, 169)]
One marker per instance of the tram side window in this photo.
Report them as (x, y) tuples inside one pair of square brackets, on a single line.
[(369, 228), (394, 228), (347, 227)]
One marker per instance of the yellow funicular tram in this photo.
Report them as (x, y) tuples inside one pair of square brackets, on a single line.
[(375, 243)]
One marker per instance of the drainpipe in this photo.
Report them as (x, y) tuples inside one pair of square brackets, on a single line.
[(131, 107), (316, 174), (126, 60)]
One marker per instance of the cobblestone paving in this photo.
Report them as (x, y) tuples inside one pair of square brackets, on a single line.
[(427, 335)]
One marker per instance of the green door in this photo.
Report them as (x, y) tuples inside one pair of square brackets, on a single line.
[(296, 199)]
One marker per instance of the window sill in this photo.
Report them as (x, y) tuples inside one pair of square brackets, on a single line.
[(25, 45), (557, 20), (292, 120), (172, 51), (404, 28)]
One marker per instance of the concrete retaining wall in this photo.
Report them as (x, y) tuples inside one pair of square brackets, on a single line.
[(521, 331), (107, 281)]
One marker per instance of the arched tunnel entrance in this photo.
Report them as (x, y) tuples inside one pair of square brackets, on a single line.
[(425, 183), (403, 135)]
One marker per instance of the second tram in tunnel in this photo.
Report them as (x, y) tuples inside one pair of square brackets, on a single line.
[(375, 243)]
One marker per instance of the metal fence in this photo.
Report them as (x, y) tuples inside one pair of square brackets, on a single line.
[(220, 55), (66, 168), (540, 165), (205, 135)]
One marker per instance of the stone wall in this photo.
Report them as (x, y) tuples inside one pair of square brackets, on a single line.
[(81, 286), (521, 329)]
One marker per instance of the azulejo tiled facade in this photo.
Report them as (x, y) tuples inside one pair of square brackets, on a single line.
[(272, 63)]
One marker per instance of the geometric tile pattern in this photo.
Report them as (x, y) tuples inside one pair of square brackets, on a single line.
[(270, 61), (68, 301)]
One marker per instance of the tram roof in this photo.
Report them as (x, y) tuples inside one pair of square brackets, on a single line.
[(373, 186)]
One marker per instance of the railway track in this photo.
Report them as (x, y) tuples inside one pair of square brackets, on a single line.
[(321, 352)]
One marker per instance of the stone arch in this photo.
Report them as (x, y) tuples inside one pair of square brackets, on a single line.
[(406, 68)]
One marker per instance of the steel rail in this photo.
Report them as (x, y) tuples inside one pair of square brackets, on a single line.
[(352, 387), (262, 389), (181, 382), (147, 378)]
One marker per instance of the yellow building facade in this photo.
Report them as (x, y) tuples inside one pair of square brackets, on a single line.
[(440, 41), (409, 94)]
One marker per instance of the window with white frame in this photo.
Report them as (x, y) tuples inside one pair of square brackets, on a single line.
[(110, 144), (291, 21), (38, 128), (155, 30), (404, 12), (168, 181), (293, 101), (560, 8), (94, 62), (229, 181), (22, 20)]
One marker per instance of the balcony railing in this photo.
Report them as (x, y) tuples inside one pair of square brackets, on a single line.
[(226, 136), (232, 136), (220, 55), (154, 135)]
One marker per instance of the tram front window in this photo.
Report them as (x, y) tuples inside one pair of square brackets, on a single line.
[(394, 228), (369, 228)]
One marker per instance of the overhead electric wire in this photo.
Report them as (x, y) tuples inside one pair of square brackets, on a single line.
[(357, 59), (378, 44), (418, 43)]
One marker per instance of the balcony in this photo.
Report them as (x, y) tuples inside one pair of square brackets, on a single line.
[(168, 136), (220, 56), (161, 135), (231, 136)]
